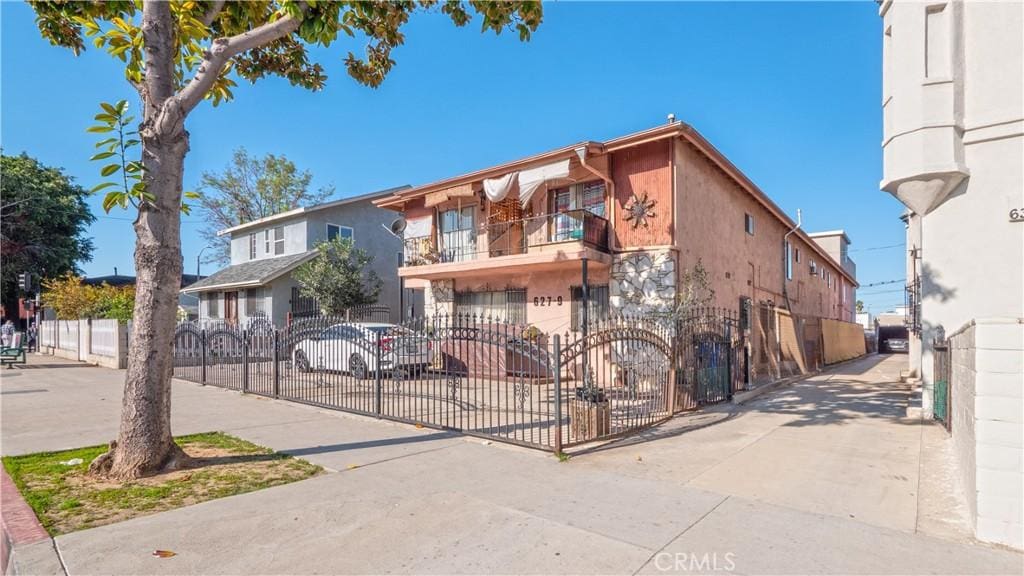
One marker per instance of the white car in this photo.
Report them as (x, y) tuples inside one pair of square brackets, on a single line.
[(352, 348)]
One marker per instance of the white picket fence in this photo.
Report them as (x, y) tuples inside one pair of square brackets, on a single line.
[(98, 341), (48, 333), (105, 337), (68, 335)]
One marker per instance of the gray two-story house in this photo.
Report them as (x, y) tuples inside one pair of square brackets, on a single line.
[(264, 252)]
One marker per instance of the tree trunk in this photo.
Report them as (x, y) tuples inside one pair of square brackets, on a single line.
[(144, 445)]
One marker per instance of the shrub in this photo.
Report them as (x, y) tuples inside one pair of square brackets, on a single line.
[(71, 299)]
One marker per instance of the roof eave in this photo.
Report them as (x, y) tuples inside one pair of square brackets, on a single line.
[(259, 281)]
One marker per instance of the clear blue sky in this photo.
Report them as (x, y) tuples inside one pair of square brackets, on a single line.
[(789, 92)]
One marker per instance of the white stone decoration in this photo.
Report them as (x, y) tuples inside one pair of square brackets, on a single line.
[(439, 297), (643, 282)]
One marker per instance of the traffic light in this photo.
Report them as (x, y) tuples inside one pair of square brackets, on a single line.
[(25, 282)]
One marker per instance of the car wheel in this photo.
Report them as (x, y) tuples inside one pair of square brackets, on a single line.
[(301, 362), (357, 367)]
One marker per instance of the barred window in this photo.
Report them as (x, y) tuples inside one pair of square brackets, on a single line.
[(213, 304), (508, 305), (599, 308), (255, 302)]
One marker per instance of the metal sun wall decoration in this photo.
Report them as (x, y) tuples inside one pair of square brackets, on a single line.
[(639, 209)]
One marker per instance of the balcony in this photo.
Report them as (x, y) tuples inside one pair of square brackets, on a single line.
[(540, 241)]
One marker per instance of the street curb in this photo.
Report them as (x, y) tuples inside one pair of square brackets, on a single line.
[(25, 546), (748, 395)]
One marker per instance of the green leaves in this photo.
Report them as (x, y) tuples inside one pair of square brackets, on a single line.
[(131, 188), (339, 277), (113, 25)]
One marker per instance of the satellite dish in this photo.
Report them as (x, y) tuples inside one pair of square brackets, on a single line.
[(398, 226)]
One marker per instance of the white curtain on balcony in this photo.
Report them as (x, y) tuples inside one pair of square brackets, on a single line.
[(418, 227), (498, 188), (530, 180)]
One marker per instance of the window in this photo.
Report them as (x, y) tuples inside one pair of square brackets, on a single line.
[(506, 305), (814, 268), (789, 261), (587, 196), (843, 255), (458, 234), (597, 310), (336, 231), (279, 240), (266, 241), (254, 302), (748, 224), (213, 305), (252, 246), (936, 60), (302, 306), (797, 256)]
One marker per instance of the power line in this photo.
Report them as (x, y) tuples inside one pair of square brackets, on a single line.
[(900, 245), (880, 292), (895, 281)]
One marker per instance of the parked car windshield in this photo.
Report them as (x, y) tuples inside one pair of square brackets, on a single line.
[(389, 330)]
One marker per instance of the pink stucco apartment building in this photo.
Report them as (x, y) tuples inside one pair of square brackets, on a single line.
[(509, 241)]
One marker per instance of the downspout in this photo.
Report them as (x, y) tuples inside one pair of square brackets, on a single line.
[(785, 259), (581, 153)]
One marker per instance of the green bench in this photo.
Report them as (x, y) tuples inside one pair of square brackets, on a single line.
[(15, 353)]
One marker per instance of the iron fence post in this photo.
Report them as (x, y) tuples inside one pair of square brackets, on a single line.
[(377, 399), (202, 347), (245, 361), (730, 356), (558, 394), (276, 370)]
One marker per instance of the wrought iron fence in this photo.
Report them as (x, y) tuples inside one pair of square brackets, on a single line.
[(509, 238), (913, 306), (482, 376)]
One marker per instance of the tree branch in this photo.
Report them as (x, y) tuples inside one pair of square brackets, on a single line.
[(158, 33), (224, 49), (212, 11)]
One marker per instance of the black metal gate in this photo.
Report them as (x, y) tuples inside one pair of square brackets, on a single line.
[(617, 377), (478, 375), (941, 391)]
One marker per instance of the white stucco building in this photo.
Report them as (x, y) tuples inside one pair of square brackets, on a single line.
[(953, 78)]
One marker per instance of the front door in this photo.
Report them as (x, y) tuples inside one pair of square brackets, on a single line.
[(231, 307)]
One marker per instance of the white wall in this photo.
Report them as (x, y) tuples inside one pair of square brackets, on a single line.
[(954, 153), (987, 375)]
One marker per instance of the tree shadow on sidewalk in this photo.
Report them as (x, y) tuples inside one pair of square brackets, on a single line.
[(347, 446)]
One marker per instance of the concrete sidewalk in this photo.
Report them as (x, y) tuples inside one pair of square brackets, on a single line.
[(820, 477)]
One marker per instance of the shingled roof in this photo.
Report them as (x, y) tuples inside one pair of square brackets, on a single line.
[(253, 273)]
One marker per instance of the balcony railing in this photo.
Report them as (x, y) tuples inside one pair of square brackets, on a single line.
[(509, 238)]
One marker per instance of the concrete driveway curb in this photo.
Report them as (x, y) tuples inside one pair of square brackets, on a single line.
[(25, 546)]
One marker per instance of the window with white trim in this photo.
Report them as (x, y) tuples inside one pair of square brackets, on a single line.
[(252, 246), (748, 224), (338, 231), (279, 240)]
